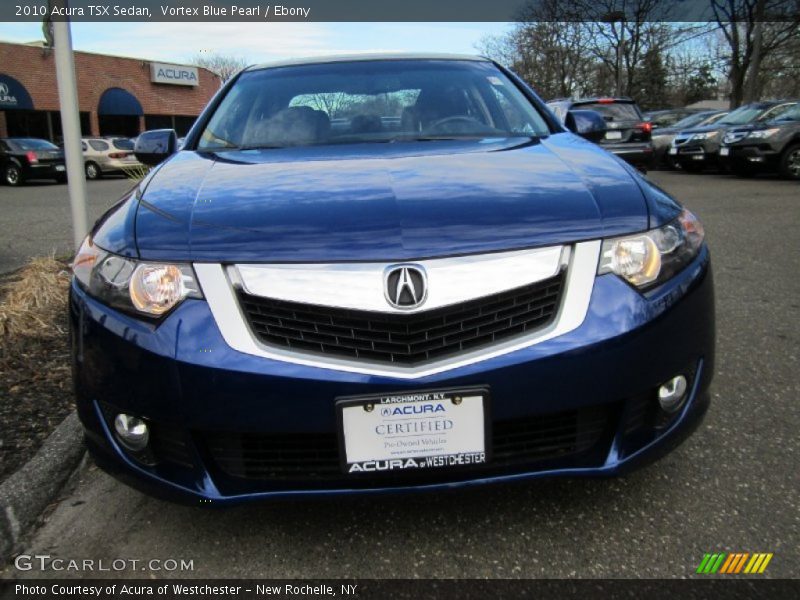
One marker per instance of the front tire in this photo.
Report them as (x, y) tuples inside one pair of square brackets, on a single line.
[(790, 162), (12, 175), (93, 171)]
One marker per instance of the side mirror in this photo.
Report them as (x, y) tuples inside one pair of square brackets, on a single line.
[(588, 124), (155, 146)]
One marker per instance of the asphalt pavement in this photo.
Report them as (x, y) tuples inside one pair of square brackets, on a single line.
[(732, 487), (35, 217)]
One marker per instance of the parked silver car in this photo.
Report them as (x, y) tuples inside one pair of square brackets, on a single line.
[(107, 155)]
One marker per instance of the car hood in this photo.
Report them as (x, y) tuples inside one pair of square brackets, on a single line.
[(393, 201)]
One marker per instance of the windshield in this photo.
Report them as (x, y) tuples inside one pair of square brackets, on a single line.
[(370, 101), (742, 115), (789, 112), (690, 121), (34, 144), (613, 111)]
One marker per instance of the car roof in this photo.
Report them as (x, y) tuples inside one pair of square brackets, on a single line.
[(317, 60)]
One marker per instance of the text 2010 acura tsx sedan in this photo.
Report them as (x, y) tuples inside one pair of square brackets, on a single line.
[(363, 274)]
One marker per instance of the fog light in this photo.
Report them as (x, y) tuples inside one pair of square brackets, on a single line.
[(132, 432), (672, 394)]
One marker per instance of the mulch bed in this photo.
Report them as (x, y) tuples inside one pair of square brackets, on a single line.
[(35, 380)]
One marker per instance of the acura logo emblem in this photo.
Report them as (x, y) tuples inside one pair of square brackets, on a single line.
[(405, 286)]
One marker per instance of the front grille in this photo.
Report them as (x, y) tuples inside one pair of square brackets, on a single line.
[(310, 457), (403, 338)]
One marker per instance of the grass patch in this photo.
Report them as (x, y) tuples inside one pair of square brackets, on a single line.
[(137, 173), (32, 297)]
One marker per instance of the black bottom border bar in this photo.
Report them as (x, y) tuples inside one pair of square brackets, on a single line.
[(413, 589)]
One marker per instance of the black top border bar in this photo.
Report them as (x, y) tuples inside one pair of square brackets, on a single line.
[(395, 10)]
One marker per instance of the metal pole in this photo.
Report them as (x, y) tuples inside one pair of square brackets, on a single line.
[(71, 129)]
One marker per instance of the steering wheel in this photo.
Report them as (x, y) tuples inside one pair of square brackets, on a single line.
[(464, 121)]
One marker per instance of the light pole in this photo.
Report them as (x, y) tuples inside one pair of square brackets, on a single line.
[(70, 127)]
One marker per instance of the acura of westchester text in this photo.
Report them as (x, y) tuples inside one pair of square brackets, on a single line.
[(372, 273)]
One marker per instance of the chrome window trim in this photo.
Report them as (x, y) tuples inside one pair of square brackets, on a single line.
[(219, 291), (362, 286)]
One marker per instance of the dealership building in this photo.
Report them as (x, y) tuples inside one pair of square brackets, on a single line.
[(116, 96)]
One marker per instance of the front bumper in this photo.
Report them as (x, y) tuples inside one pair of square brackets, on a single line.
[(750, 156), (596, 383), (705, 153)]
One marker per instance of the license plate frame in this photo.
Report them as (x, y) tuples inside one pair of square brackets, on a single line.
[(419, 461), (673, 151), (613, 135), (724, 151)]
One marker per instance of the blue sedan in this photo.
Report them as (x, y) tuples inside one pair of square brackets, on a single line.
[(364, 274)]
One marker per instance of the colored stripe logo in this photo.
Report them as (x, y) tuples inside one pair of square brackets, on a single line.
[(734, 562)]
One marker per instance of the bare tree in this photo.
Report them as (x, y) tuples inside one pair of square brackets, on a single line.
[(220, 64), (751, 37), (548, 47)]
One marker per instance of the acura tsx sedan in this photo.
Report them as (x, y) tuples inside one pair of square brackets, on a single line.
[(380, 273)]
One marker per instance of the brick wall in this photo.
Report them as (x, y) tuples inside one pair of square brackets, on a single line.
[(96, 73)]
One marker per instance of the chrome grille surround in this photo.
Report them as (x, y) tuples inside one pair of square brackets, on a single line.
[(221, 282)]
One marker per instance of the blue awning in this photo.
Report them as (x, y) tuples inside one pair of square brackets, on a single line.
[(116, 101), (13, 95)]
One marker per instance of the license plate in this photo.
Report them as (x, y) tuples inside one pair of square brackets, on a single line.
[(60, 168), (413, 430), (673, 151), (724, 151), (613, 135)]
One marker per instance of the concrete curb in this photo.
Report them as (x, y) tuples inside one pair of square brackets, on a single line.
[(26, 493)]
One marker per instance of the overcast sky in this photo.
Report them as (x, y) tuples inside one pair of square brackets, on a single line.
[(259, 42)]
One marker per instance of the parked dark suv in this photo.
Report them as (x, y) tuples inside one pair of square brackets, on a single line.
[(627, 132), (30, 158), (774, 145), (697, 148)]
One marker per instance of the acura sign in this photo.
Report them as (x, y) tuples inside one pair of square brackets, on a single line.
[(173, 74)]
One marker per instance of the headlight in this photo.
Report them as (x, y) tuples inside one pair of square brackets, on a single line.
[(760, 134), (708, 135), (649, 258), (150, 288)]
